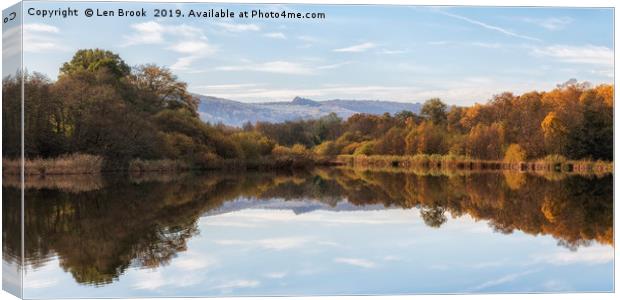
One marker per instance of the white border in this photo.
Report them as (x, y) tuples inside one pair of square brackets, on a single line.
[(564, 3)]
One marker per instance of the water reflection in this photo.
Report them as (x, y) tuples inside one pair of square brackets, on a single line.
[(98, 228)]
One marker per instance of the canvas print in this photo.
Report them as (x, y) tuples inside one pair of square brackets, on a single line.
[(221, 149)]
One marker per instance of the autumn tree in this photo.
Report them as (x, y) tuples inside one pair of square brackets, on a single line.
[(158, 88), (486, 142)]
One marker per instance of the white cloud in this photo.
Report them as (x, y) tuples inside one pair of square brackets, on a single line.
[(590, 256), (149, 280), (40, 283), (145, 33), (490, 27), (188, 41), (357, 262), (486, 45), (39, 38), (552, 23), (184, 63), (276, 275), (152, 32), (588, 54), (238, 27), (275, 35), (279, 67), (334, 66), (195, 262), (238, 283), (39, 27), (284, 243), (197, 48), (357, 48), (501, 280)]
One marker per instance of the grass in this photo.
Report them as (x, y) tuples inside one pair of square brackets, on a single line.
[(62, 165)]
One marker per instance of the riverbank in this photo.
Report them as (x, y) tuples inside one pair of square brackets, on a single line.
[(552, 163), (78, 164), (82, 164)]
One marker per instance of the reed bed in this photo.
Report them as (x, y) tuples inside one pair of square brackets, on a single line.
[(63, 165), (452, 163), (159, 165)]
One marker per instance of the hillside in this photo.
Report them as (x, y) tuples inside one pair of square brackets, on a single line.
[(235, 113)]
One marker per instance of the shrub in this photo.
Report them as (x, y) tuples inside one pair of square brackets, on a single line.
[(327, 148)]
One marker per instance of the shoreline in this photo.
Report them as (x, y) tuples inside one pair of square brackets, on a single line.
[(84, 164), (550, 164)]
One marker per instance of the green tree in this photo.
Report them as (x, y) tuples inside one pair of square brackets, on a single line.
[(96, 59), (435, 111)]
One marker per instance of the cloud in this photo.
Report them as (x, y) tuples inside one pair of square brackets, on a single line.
[(552, 24), (334, 66), (39, 38), (152, 32), (195, 262), (38, 27), (486, 45), (501, 280), (466, 44), (490, 27), (590, 256), (192, 47), (238, 283), (275, 35), (279, 67), (357, 262), (284, 243), (40, 283), (357, 48), (276, 275), (188, 41), (149, 280), (588, 54), (238, 27)]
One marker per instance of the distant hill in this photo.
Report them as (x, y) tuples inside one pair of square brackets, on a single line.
[(236, 113)]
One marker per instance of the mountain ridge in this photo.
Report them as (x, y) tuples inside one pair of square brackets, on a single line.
[(236, 113)]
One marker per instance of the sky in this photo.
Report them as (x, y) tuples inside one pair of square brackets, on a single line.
[(277, 252), (462, 55)]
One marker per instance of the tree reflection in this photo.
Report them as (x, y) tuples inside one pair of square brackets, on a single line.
[(97, 233)]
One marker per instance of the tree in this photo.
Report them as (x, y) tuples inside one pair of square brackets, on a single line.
[(435, 111), (95, 59), (486, 142), (392, 143), (555, 133), (426, 138), (159, 88)]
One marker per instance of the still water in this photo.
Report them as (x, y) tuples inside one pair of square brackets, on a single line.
[(323, 232)]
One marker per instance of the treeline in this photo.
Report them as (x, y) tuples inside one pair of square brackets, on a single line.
[(574, 120), (101, 106)]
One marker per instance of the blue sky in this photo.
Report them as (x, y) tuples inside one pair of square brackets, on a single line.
[(460, 54), (278, 252)]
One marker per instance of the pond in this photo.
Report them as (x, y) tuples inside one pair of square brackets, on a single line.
[(333, 231)]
